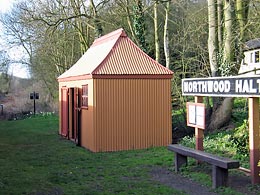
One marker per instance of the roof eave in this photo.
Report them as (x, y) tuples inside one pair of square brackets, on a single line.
[(75, 78), (116, 76)]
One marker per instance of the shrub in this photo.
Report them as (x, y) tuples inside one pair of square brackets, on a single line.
[(240, 140)]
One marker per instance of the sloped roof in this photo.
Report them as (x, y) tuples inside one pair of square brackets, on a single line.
[(252, 44), (115, 55)]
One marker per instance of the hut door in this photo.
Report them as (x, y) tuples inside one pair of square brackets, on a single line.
[(77, 115), (64, 111)]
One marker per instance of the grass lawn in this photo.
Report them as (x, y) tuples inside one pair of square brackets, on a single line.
[(34, 159)]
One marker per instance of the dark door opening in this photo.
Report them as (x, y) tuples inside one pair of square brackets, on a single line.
[(74, 115)]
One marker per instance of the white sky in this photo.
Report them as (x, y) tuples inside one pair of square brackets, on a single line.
[(5, 5), (18, 70)]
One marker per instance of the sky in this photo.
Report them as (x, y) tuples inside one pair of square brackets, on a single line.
[(5, 5), (18, 70)]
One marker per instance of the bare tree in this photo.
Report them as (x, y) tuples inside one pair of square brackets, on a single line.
[(212, 37), (97, 23), (166, 35), (156, 33), (5, 78), (222, 54)]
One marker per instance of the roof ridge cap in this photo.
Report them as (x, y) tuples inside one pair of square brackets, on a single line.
[(110, 36)]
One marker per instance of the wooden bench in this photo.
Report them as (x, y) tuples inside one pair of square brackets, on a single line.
[(220, 165)]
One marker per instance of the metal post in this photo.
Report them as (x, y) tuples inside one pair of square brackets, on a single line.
[(2, 109), (34, 97)]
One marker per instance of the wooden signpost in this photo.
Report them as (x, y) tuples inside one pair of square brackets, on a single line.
[(248, 87), (196, 118)]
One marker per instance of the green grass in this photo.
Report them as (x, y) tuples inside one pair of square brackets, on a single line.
[(34, 159)]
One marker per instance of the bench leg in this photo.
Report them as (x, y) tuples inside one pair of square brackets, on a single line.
[(219, 176), (179, 161)]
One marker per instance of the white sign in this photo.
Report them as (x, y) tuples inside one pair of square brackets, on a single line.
[(196, 115), (222, 86)]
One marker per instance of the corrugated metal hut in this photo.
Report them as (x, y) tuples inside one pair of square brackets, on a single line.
[(116, 97)]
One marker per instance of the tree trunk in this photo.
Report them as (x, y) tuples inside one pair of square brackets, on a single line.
[(130, 21), (139, 24), (79, 25), (221, 116), (156, 34), (220, 21), (166, 36), (97, 23), (212, 39), (228, 26), (222, 108), (242, 8)]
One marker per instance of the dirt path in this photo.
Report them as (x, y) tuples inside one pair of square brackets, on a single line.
[(179, 182), (239, 183)]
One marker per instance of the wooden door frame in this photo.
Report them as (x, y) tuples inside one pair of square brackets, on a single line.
[(64, 112)]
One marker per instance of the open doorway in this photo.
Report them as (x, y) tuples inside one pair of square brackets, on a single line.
[(74, 115)]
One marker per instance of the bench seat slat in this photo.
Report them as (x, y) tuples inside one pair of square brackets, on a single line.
[(204, 156)]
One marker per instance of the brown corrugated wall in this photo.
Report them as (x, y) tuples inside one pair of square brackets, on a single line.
[(131, 113)]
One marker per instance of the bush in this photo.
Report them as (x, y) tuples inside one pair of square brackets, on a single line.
[(216, 143), (240, 140)]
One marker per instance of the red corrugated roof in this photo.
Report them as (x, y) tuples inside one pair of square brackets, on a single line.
[(115, 54)]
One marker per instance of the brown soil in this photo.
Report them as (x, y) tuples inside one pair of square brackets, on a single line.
[(238, 182)]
